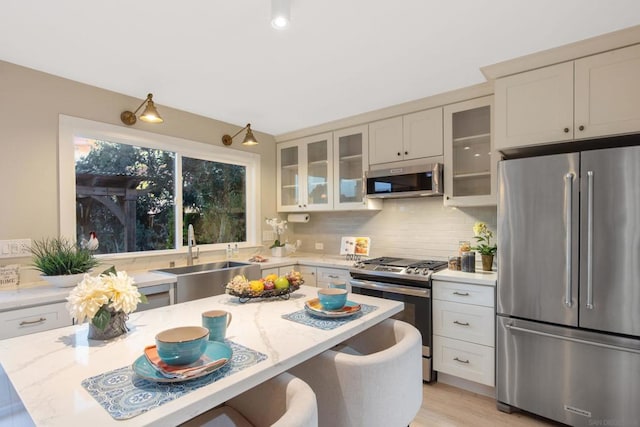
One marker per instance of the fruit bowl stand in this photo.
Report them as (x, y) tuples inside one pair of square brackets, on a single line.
[(271, 293)]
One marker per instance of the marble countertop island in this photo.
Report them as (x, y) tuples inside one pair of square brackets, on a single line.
[(47, 368)]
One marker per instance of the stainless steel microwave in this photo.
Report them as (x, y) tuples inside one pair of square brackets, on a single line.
[(409, 181)]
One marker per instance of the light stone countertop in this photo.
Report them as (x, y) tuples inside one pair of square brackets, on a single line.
[(47, 368), (486, 278), (48, 294)]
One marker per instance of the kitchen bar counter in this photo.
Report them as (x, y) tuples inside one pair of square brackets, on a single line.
[(47, 368)]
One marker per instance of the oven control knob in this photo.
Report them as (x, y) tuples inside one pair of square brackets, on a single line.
[(425, 271), (409, 270)]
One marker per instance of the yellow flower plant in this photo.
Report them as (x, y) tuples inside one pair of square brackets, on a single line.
[(96, 298), (483, 236)]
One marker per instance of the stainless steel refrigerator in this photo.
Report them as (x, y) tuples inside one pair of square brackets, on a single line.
[(568, 308)]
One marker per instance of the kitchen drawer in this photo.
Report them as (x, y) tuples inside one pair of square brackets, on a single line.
[(25, 321), (308, 274), (464, 321), (328, 275), (466, 360), (464, 292)]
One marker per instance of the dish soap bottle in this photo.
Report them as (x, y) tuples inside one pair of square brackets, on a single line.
[(236, 251), (229, 251)]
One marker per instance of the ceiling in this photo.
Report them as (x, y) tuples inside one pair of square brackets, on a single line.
[(223, 60)]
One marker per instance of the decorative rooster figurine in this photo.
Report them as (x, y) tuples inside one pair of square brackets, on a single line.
[(91, 244)]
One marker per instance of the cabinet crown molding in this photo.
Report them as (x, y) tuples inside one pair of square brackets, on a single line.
[(569, 52)]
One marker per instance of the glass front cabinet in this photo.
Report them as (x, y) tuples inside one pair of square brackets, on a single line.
[(325, 172), (470, 164), (350, 161), (305, 171)]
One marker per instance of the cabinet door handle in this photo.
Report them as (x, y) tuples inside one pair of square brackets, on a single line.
[(581, 127), (462, 294), (406, 152), (399, 154), (566, 130), (33, 322), (461, 323), (460, 360)]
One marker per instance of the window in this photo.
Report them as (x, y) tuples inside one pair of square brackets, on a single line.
[(139, 191)]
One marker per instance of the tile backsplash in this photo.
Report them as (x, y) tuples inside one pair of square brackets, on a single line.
[(415, 228)]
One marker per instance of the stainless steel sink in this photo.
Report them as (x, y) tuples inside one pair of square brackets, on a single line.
[(199, 268), (205, 280)]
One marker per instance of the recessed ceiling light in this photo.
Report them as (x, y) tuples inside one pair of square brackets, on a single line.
[(280, 14)]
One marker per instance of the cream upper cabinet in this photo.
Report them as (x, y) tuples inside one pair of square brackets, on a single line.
[(350, 161), (305, 169), (422, 134), (385, 141), (469, 161), (594, 96), (607, 93), (534, 107), (411, 136)]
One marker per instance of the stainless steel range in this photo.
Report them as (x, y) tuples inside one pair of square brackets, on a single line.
[(406, 280)]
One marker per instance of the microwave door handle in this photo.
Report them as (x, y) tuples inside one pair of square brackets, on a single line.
[(568, 192), (590, 240)]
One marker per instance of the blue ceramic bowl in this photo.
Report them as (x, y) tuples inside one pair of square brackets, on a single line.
[(332, 298), (183, 345)]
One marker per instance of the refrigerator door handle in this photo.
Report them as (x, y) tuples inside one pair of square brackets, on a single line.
[(590, 240), (568, 193), (576, 340)]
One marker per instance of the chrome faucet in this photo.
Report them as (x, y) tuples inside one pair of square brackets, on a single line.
[(191, 243)]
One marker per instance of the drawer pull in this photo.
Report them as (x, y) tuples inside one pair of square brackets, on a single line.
[(460, 360), (333, 276), (461, 323), (462, 294), (32, 322)]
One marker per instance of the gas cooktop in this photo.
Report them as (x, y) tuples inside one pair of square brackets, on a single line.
[(402, 268)]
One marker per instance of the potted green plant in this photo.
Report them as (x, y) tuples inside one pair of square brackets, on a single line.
[(487, 251), (61, 262)]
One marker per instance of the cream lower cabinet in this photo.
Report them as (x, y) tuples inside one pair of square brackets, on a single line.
[(595, 96), (464, 331), (326, 276), (29, 320)]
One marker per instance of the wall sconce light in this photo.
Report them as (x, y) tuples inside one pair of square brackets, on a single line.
[(149, 115), (249, 139), (280, 14)]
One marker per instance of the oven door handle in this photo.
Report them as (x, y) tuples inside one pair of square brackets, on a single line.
[(387, 287)]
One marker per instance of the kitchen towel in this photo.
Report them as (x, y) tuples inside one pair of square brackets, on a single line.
[(302, 316), (124, 395)]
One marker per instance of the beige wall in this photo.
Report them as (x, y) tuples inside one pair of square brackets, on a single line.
[(30, 102)]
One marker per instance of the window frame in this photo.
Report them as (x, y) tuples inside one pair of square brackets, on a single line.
[(70, 127)]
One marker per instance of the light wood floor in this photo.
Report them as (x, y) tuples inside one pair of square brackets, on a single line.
[(447, 406)]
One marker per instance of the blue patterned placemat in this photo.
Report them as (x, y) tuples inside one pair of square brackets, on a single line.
[(303, 316), (125, 395)]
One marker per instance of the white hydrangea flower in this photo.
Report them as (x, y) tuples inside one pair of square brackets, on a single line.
[(86, 298), (114, 291)]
